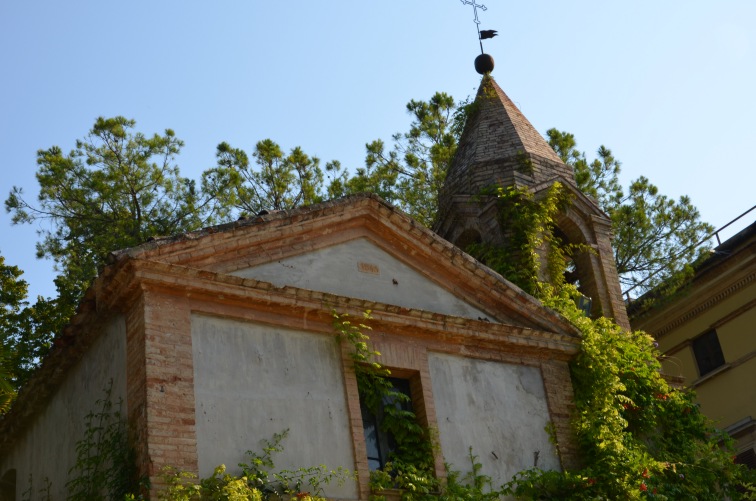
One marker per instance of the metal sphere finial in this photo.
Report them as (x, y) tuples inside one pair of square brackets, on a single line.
[(484, 64)]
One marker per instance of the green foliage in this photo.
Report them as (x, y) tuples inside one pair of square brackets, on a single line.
[(257, 481), (105, 467), (6, 388), (597, 178), (410, 467), (655, 237), (638, 437), (472, 486), (279, 182), (44, 493), (12, 300), (181, 486), (287, 482), (411, 173), (656, 234), (116, 189), (25, 332), (529, 226), (371, 375)]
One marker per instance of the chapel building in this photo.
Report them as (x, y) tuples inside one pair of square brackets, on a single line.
[(213, 341)]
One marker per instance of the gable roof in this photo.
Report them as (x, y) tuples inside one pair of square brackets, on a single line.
[(275, 236)]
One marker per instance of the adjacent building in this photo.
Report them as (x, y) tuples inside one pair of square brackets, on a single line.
[(707, 333)]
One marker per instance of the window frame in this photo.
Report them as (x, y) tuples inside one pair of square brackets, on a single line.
[(707, 352), (384, 444)]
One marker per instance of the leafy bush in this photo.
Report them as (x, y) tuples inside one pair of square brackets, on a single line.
[(257, 481)]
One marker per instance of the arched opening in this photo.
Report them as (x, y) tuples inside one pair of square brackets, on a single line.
[(8, 486), (579, 271), (467, 238)]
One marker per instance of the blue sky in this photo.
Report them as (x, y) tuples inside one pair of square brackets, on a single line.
[(668, 86)]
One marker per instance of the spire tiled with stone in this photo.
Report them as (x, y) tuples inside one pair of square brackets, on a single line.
[(499, 148)]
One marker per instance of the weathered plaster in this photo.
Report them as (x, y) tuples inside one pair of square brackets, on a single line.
[(360, 269), (252, 381), (48, 448), (497, 409)]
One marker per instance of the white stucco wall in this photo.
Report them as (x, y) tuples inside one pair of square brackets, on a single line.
[(497, 409), (360, 269), (252, 381), (47, 449)]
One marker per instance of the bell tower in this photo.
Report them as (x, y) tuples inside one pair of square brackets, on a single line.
[(499, 148)]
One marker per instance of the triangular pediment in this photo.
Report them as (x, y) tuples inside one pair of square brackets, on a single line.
[(359, 247), (360, 268)]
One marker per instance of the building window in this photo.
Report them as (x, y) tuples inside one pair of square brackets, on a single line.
[(748, 458), (708, 353), (380, 443)]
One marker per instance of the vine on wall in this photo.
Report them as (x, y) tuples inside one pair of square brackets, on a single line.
[(410, 467), (105, 465), (528, 226), (638, 437)]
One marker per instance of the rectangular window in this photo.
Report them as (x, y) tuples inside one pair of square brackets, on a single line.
[(381, 443), (748, 458), (708, 352)]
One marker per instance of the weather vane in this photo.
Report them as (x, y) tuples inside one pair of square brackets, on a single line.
[(482, 35), (483, 63)]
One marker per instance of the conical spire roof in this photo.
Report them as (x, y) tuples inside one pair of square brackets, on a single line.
[(501, 147)]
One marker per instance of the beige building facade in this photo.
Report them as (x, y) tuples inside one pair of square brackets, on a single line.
[(707, 333)]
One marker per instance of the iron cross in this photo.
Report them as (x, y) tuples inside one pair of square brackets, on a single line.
[(475, 8)]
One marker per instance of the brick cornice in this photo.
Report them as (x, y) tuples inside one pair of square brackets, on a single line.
[(278, 236), (296, 307)]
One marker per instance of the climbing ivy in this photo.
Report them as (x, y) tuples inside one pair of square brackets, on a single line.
[(258, 480), (105, 466), (638, 437), (528, 226), (410, 465)]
